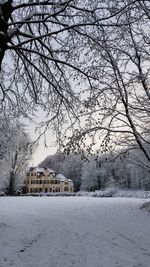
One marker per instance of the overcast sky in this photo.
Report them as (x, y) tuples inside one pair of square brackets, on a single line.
[(41, 151)]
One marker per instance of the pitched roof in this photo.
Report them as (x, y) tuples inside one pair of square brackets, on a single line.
[(61, 177), (38, 169)]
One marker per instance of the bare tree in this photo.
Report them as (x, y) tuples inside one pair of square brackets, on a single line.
[(118, 108), (44, 52), (52, 51)]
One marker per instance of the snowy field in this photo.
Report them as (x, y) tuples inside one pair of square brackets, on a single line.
[(74, 232)]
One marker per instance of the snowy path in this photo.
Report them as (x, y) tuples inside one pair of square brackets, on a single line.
[(73, 232)]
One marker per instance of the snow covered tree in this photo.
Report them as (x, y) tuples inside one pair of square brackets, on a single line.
[(42, 40), (48, 49), (139, 170), (71, 168), (15, 157), (90, 176), (58, 53), (54, 162), (117, 110)]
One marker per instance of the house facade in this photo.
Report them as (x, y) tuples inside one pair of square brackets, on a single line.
[(46, 180)]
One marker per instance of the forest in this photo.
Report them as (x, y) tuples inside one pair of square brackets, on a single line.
[(127, 171)]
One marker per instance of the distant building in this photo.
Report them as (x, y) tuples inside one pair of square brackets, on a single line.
[(46, 180)]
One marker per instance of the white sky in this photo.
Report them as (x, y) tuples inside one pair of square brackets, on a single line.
[(42, 151)]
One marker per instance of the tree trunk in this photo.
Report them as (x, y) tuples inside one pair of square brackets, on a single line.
[(5, 13), (11, 188)]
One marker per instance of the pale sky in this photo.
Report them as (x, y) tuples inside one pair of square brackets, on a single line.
[(41, 151)]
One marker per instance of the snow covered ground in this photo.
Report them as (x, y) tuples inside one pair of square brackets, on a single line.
[(74, 232)]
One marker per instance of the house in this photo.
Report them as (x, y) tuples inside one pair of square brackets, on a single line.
[(46, 180)]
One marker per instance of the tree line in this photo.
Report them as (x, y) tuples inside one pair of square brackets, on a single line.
[(129, 170)]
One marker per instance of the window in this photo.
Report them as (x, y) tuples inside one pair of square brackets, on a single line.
[(33, 181), (57, 189), (66, 188), (40, 174)]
